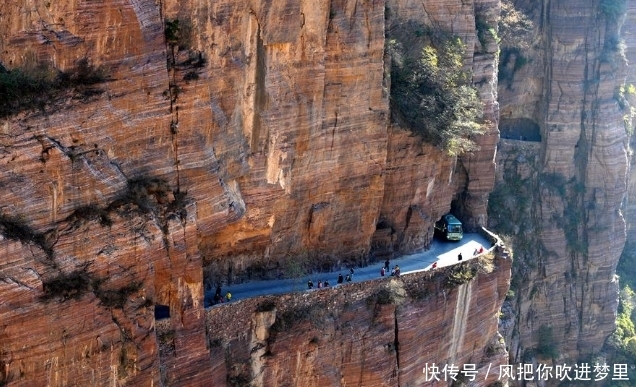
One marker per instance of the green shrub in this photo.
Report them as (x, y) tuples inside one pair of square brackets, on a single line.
[(384, 297), (91, 212), (485, 32), (515, 28), (433, 95), (461, 274), (613, 9), (20, 90), (67, 286), (266, 306), (546, 343), (290, 317), (116, 298), (35, 86), (178, 33), (554, 182), (16, 229)]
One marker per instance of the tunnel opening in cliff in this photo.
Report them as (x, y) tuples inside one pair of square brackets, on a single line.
[(162, 312), (523, 129)]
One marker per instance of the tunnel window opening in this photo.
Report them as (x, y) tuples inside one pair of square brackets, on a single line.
[(520, 129), (162, 311)]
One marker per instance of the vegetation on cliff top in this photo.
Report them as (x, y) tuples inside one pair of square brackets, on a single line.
[(433, 95)]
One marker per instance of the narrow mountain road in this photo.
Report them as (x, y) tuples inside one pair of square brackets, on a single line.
[(445, 253)]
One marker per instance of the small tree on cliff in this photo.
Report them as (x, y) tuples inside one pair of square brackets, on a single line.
[(433, 95)]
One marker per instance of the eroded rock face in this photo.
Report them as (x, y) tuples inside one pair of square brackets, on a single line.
[(231, 135), (570, 230)]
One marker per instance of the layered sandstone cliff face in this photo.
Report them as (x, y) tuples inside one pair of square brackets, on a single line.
[(560, 198), (251, 133), (629, 29)]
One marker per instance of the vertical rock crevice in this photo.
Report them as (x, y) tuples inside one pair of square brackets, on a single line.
[(396, 345)]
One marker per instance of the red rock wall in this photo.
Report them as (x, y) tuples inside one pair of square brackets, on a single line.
[(262, 134)]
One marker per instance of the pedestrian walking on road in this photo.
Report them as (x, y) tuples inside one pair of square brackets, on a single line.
[(310, 284), (340, 278), (459, 257), (218, 290), (386, 265), (351, 272)]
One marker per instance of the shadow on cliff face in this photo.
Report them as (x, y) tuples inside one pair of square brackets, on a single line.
[(39, 85)]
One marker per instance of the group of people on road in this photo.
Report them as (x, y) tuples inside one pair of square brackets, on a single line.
[(219, 298), (395, 271), (325, 284)]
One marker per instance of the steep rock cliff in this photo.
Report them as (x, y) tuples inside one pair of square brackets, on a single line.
[(561, 198), (235, 135)]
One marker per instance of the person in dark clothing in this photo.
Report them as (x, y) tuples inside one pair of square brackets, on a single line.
[(319, 284), (459, 257), (326, 283), (340, 278), (386, 265), (310, 284), (348, 278), (218, 290)]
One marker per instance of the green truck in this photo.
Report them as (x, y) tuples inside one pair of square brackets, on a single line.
[(450, 228)]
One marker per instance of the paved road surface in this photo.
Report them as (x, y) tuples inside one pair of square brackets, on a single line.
[(444, 252)]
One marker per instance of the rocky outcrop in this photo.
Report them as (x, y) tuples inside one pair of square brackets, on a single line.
[(567, 218), (422, 183)]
